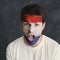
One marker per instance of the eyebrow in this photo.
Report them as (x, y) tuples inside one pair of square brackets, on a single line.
[(29, 23), (36, 22), (26, 21)]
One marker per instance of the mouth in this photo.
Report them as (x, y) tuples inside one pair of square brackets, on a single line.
[(31, 37)]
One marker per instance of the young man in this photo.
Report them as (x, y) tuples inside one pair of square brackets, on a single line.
[(33, 45)]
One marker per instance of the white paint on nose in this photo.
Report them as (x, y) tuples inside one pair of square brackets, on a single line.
[(31, 29)]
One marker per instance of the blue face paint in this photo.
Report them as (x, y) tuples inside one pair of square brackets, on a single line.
[(36, 38)]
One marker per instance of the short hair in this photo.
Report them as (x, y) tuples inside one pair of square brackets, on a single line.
[(33, 9)]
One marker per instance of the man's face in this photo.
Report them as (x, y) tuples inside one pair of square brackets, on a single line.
[(32, 29)]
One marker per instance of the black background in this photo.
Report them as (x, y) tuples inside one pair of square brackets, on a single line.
[(10, 24)]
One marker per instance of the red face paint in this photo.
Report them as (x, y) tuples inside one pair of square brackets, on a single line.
[(34, 18)]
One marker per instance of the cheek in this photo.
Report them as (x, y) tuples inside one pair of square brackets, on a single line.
[(38, 30), (25, 29)]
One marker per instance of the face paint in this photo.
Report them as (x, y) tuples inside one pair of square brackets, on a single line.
[(32, 32), (34, 40), (32, 28), (34, 18)]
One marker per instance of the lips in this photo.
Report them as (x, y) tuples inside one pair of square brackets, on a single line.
[(31, 37)]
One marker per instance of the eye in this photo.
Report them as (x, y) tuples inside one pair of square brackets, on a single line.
[(27, 24), (36, 24)]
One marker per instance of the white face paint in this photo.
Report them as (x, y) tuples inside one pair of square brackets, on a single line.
[(33, 29)]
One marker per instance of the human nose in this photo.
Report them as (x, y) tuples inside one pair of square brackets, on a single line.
[(31, 29)]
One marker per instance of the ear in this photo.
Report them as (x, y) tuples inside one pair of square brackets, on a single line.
[(43, 26)]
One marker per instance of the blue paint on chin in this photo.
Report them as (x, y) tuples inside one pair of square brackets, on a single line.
[(36, 38)]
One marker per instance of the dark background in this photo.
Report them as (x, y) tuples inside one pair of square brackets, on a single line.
[(10, 24)]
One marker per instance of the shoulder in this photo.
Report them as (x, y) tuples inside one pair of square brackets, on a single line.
[(14, 43), (51, 43), (12, 48), (53, 47), (56, 54), (50, 40)]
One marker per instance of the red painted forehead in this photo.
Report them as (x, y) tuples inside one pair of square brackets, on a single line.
[(34, 18)]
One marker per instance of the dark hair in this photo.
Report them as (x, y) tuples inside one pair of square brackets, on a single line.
[(33, 9)]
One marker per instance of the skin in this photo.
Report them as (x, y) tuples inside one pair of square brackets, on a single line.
[(33, 29)]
